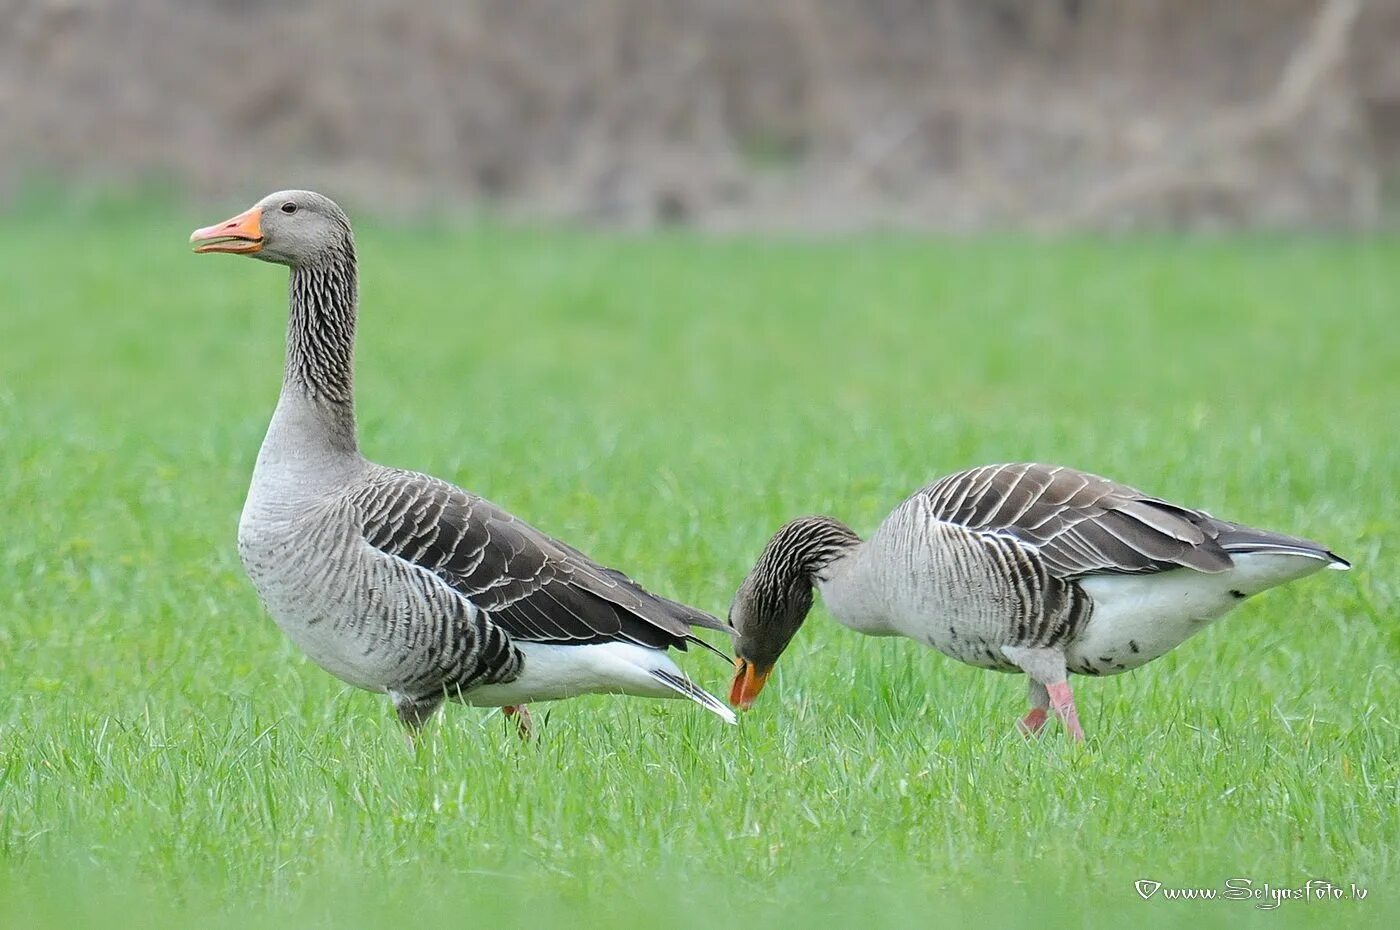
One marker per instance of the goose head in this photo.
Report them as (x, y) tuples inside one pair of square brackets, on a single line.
[(776, 596), (295, 228), (767, 611)]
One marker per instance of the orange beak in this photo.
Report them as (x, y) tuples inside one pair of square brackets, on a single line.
[(240, 235), (749, 679)]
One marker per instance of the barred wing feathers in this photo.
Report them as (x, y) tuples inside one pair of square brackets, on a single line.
[(534, 587), (1082, 524)]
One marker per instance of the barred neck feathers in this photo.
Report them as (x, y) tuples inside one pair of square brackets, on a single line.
[(795, 559), (774, 599), (799, 553), (321, 339)]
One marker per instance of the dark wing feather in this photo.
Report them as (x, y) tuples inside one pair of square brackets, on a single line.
[(532, 586), (1080, 524)]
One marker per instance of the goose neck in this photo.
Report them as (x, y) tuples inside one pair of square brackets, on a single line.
[(810, 550), (318, 380)]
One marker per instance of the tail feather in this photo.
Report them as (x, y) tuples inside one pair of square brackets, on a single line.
[(1242, 539), (692, 616), (684, 686), (692, 638)]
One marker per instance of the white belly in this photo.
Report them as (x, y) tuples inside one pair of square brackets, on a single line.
[(1138, 618)]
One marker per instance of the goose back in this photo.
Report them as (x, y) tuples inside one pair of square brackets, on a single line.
[(1084, 524), (1024, 555), (535, 588)]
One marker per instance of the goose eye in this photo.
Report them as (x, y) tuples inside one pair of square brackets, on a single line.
[(289, 208)]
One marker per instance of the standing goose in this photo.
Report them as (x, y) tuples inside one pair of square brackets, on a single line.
[(1018, 568), (398, 582)]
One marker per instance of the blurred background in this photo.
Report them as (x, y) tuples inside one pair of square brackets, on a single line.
[(949, 115), (584, 299)]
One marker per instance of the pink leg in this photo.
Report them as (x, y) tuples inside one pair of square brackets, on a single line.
[(1062, 702), (1048, 687), (1034, 720), (1032, 723), (521, 713)]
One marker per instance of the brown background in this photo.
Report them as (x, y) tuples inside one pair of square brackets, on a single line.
[(783, 114)]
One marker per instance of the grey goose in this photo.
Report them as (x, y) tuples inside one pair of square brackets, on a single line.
[(398, 582), (1018, 568)]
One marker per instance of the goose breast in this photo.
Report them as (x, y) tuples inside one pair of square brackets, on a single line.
[(964, 593), (371, 620)]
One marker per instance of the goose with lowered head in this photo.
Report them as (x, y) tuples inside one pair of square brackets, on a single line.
[(1032, 569)]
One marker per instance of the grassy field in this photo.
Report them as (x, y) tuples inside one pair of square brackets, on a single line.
[(665, 403)]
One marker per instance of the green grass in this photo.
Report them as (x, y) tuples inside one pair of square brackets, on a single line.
[(665, 403)]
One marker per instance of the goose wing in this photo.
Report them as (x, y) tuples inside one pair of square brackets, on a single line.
[(1080, 524), (532, 586)]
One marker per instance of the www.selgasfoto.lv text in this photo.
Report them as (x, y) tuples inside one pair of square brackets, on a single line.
[(1264, 894)]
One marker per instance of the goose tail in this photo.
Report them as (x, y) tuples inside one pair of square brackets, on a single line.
[(1236, 539), (687, 688)]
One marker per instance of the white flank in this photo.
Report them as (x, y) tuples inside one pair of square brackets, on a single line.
[(1140, 617), (553, 671)]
